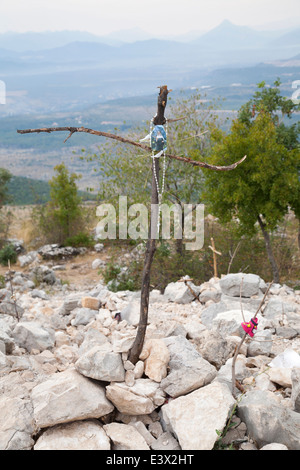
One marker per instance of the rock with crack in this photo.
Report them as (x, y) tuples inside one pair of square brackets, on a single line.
[(140, 399), (188, 369), (156, 355), (268, 421), (79, 435), (101, 363), (68, 396), (71, 302), (32, 335), (240, 283), (181, 292), (92, 337), (206, 411), (16, 424), (295, 376), (261, 344), (125, 437), (215, 348), (83, 316), (229, 322)]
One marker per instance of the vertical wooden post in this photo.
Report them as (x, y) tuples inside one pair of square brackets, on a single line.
[(215, 257), (136, 349)]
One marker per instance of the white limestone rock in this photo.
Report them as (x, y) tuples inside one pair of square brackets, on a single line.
[(140, 399), (101, 363), (246, 284), (78, 435), (68, 396), (180, 293), (205, 410), (125, 437), (156, 355), (16, 424), (32, 335)]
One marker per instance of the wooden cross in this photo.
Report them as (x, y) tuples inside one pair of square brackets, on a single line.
[(159, 119), (215, 252)]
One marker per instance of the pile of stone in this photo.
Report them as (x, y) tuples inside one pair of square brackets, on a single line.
[(55, 251), (66, 381)]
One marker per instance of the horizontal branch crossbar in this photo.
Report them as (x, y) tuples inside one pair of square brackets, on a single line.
[(124, 140)]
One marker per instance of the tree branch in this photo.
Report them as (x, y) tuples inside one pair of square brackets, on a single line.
[(124, 140)]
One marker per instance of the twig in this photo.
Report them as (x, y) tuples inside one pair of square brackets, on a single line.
[(264, 297), (196, 296), (240, 386), (281, 322), (176, 119), (234, 361), (193, 136), (243, 338), (241, 303), (73, 130), (70, 135), (12, 292), (232, 256)]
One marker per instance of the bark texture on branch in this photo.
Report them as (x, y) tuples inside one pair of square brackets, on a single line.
[(159, 118), (73, 130)]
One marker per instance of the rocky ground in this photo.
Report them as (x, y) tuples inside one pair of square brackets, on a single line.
[(66, 381)]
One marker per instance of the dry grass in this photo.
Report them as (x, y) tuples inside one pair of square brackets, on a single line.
[(21, 224), (78, 270)]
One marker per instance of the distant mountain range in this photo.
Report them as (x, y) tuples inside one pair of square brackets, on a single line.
[(32, 41), (231, 37), (74, 78), (289, 39), (61, 71), (226, 45), (225, 35)]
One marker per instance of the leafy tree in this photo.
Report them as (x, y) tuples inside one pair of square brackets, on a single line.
[(5, 177), (281, 109), (62, 217), (259, 192), (190, 136)]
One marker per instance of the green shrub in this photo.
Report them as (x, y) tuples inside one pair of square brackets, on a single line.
[(111, 272), (2, 282), (81, 239), (8, 254), (118, 279), (122, 284), (64, 216)]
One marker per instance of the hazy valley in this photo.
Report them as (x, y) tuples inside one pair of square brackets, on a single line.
[(79, 79)]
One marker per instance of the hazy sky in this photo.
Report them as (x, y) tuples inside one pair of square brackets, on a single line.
[(159, 17)]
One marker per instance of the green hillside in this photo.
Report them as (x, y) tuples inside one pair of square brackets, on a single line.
[(25, 191)]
